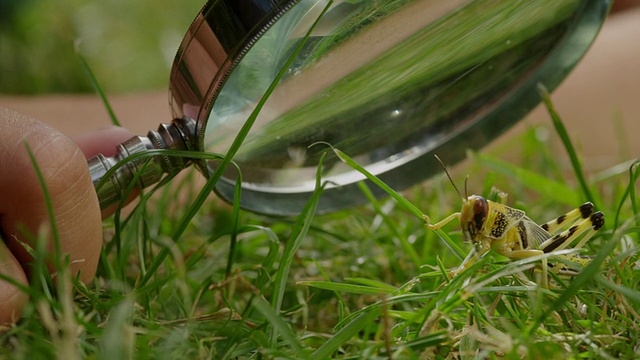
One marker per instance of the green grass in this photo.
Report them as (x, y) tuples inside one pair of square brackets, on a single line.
[(193, 277), (185, 275), (130, 45)]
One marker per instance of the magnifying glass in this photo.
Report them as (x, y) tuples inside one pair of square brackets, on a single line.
[(390, 83)]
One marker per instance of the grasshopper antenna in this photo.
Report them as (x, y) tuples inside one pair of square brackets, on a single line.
[(466, 192), (451, 180)]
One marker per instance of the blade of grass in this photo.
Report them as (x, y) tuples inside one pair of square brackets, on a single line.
[(98, 88), (346, 288), (634, 172), (41, 278), (371, 282), (270, 258), (631, 294), (279, 325), (435, 339), (236, 221), (47, 197), (633, 176), (566, 141), (399, 198), (49, 206), (118, 336), (347, 332), (450, 244), (299, 232), (117, 239)]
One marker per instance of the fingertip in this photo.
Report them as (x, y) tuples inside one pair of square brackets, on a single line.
[(71, 193), (102, 141), (12, 298)]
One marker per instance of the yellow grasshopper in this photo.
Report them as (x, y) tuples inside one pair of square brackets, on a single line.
[(509, 232)]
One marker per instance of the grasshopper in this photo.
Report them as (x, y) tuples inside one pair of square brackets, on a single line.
[(509, 232)]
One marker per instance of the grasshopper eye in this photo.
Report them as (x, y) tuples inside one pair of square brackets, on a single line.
[(480, 210)]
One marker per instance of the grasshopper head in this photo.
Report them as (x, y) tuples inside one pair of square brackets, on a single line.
[(475, 210), (473, 216)]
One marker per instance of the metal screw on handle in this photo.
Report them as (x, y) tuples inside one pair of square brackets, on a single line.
[(180, 134)]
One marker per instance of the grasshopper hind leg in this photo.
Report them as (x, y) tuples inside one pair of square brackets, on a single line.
[(584, 211), (586, 226)]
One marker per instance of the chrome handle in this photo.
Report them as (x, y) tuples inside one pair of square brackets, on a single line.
[(180, 134)]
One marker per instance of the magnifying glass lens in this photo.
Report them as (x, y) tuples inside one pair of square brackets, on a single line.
[(388, 83)]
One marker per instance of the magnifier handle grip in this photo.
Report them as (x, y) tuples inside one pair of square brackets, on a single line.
[(145, 170)]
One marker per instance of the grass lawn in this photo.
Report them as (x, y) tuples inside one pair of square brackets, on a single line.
[(187, 276)]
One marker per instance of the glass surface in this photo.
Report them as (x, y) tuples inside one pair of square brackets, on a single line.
[(387, 82)]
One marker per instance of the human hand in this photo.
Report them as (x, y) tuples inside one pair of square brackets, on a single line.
[(23, 211)]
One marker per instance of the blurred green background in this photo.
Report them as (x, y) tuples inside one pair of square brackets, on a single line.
[(129, 45)]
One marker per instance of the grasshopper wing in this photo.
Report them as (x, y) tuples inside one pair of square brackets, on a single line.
[(534, 234)]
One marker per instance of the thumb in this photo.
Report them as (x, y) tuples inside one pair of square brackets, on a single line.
[(23, 210)]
